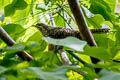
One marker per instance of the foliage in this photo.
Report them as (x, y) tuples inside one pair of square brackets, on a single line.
[(17, 18)]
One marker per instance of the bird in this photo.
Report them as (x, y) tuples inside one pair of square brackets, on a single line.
[(60, 32)]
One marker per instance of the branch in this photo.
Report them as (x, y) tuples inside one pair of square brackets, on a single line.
[(76, 57), (63, 55), (60, 50), (10, 42), (79, 59), (82, 25), (81, 22)]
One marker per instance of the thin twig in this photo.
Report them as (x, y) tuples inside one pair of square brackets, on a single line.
[(52, 20), (79, 59), (57, 10), (62, 53)]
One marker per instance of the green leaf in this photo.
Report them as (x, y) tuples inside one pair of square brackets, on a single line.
[(57, 73), (3, 3), (117, 56), (101, 40), (11, 77), (90, 73), (113, 50), (36, 47), (42, 7), (20, 5), (59, 20), (2, 78), (112, 4), (13, 28), (109, 75), (2, 69), (35, 37), (70, 42), (23, 19), (99, 14), (99, 53), (101, 7), (47, 58), (9, 10), (96, 21), (15, 48), (22, 65), (49, 75)]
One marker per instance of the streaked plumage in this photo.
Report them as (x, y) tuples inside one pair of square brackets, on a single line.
[(60, 32)]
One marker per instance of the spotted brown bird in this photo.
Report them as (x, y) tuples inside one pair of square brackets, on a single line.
[(60, 32)]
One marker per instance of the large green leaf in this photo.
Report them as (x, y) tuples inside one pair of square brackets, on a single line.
[(99, 53), (96, 21), (50, 75), (35, 37), (20, 4), (9, 10), (23, 19), (15, 5), (101, 40), (99, 13), (109, 75), (70, 42), (101, 7), (47, 58), (13, 28), (59, 20), (58, 73)]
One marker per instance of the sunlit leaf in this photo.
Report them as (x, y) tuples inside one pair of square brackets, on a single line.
[(70, 42), (15, 5), (17, 18), (22, 65)]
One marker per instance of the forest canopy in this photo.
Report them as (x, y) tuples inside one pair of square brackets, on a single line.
[(59, 40)]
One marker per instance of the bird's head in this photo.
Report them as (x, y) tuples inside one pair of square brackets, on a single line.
[(43, 28)]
